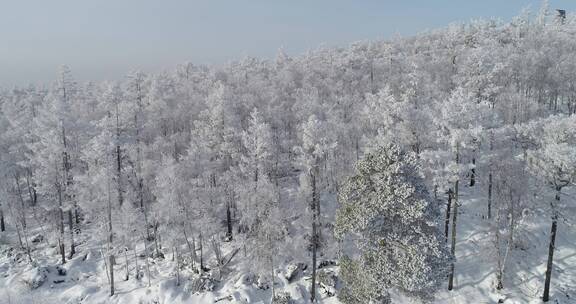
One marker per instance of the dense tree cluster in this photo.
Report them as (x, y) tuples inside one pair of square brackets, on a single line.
[(211, 154)]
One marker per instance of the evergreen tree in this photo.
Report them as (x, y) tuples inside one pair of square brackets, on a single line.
[(387, 209)]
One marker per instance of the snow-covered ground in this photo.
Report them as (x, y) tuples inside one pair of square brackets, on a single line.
[(524, 278), (83, 278)]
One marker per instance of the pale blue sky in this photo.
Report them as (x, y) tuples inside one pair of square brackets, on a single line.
[(104, 39)]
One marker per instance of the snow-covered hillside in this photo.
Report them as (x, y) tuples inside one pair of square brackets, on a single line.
[(85, 279), (435, 168)]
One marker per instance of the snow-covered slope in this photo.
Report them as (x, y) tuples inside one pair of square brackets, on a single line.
[(83, 278)]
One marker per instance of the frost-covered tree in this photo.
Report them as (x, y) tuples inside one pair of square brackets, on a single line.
[(459, 122), (56, 157), (387, 211), (317, 144), (254, 169), (554, 161)]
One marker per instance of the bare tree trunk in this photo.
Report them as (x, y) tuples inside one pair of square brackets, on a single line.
[(28, 253), (190, 246), (272, 279), (18, 233), (217, 252), (118, 159), (68, 179), (21, 199), (109, 213), (511, 230), (35, 216), (2, 225), (146, 259), (193, 243), (62, 252), (490, 178), (314, 249), (228, 222), (357, 146), (177, 266), (137, 271), (551, 247), (139, 159), (157, 250), (454, 217), (71, 228), (473, 173), (510, 218), (106, 268), (30, 187), (111, 262), (201, 253), (315, 235), (61, 216), (447, 221), (490, 194), (143, 207), (499, 272), (22, 216), (126, 260)]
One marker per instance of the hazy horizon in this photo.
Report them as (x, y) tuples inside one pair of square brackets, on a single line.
[(105, 40)]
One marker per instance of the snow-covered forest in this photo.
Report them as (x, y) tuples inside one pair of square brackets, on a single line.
[(433, 168)]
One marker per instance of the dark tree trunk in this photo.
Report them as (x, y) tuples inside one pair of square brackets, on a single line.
[(490, 195), (71, 228), (126, 260), (156, 250), (357, 144), (118, 159), (31, 191), (314, 249), (499, 285), (119, 175), (490, 175), (551, 247), (499, 272), (549, 263), (111, 262), (454, 217), (315, 227), (62, 251), (61, 218), (110, 229), (453, 244), (201, 253), (2, 225), (447, 221), (229, 222), (473, 173)]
